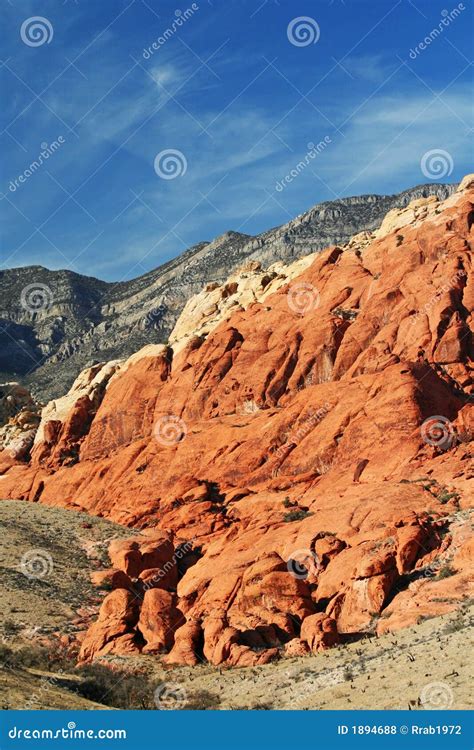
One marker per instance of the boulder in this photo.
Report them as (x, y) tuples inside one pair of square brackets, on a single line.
[(112, 578), (187, 645), (113, 632), (159, 619), (152, 551), (319, 632)]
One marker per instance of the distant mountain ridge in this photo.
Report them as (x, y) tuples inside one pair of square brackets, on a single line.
[(88, 320)]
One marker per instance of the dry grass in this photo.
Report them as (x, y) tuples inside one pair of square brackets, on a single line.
[(76, 543)]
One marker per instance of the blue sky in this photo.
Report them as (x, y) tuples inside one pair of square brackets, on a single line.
[(231, 92)]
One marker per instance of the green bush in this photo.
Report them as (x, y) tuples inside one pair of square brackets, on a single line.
[(446, 571), (444, 496), (296, 515)]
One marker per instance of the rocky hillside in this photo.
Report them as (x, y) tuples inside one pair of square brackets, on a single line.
[(301, 469), (43, 616), (55, 323)]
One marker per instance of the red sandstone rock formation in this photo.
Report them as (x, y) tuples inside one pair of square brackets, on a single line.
[(313, 452)]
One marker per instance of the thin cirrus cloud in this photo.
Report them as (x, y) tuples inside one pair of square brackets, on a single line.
[(242, 109), (390, 135)]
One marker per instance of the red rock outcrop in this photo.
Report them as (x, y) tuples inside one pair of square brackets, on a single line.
[(319, 631), (314, 451), (112, 633), (19, 419)]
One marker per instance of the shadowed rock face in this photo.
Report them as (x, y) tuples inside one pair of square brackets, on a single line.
[(87, 321), (314, 450)]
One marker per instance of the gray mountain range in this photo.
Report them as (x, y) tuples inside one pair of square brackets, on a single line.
[(55, 323)]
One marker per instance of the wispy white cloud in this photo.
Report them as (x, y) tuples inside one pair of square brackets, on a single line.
[(370, 68)]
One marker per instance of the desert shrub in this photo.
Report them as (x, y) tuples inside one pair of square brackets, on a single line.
[(34, 657), (5, 655), (202, 700), (444, 496), (115, 688), (99, 683), (10, 627), (262, 707), (296, 515), (345, 314), (455, 625), (446, 571)]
